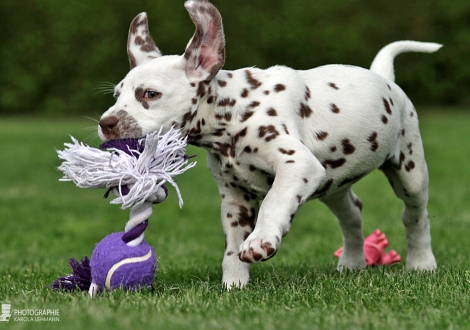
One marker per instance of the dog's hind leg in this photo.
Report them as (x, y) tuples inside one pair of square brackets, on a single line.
[(347, 208), (408, 176)]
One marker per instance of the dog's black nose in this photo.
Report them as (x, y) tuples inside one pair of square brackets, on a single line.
[(109, 126)]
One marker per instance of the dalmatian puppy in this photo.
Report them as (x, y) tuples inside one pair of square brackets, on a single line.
[(279, 137)]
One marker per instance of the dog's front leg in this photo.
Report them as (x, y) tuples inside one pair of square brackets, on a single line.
[(297, 175), (238, 213), (238, 221)]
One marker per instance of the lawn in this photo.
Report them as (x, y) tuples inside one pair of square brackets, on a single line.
[(44, 222)]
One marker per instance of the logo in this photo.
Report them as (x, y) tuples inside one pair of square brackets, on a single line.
[(6, 312), (28, 314)]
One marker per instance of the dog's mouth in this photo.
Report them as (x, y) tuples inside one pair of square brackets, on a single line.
[(126, 144), (119, 126)]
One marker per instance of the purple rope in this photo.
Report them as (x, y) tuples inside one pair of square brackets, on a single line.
[(135, 232), (128, 146), (80, 277)]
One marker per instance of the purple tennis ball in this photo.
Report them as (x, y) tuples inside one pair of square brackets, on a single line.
[(114, 264)]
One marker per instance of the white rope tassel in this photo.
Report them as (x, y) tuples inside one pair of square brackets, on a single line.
[(162, 159)]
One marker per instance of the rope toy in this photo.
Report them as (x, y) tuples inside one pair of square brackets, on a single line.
[(135, 171)]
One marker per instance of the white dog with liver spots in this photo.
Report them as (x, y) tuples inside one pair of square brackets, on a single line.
[(279, 136)]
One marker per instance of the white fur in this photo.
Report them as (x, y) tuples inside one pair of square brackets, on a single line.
[(282, 137)]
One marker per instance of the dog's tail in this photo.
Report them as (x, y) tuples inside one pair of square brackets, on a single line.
[(383, 61)]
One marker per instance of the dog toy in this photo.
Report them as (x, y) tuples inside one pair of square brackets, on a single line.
[(374, 250), (135, 170)]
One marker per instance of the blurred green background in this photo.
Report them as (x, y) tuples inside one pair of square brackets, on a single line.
[(55, 54)]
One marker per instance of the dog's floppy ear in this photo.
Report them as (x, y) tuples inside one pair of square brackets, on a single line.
[(140, 46), (205, 53)]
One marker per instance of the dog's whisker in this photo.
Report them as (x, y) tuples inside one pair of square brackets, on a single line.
[(90, 128), (92, 119), (91, 137), (104, 87)]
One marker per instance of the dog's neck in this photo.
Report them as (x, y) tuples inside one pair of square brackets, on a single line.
[(216, 115)]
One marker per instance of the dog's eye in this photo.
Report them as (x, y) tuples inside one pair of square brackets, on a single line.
[(150, 94)]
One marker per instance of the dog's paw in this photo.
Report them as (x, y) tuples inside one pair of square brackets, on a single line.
[(351, 264), (423, 261), (352, 260), (236, 274), (259, 248)]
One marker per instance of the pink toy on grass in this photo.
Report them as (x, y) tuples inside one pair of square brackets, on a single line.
[(374, 250)]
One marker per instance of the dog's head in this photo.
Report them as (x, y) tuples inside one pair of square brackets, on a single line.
[(161, 91)]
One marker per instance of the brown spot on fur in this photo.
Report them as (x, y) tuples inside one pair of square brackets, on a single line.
[(254, 83), (247, 115), (410, 166), (373, 140), (333, 85), (348, 148), (279, 87), (246, 217), (307, 94), (387, 106), (226, 102), (321, 135), (334, 108), (305, 110), (201, 90), (245, 93), (237, 136), (254, 104), (222, 83), (384, 119), (269, 131), (401, 159), (287, 152), (226, 116), (188, 117), (334, 163), (272, 112), (285, 128), (409, 146)]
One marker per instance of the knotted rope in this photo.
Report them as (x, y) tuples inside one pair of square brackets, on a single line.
[(135, 170)]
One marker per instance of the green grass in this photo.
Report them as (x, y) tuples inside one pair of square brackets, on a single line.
[(44, 222)]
